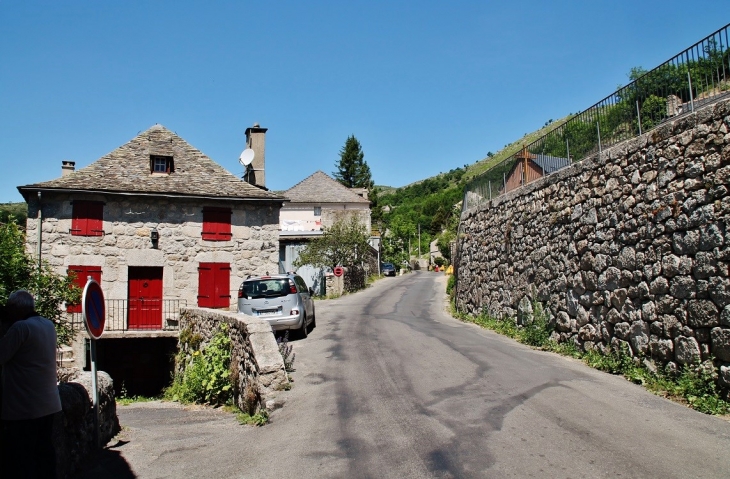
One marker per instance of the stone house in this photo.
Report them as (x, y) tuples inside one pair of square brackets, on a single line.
[(160, 226), (315, 203)]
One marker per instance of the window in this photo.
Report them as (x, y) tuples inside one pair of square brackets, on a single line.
[(317, 211), (161, 164), (216, 224), (87, 218), (80, 274), (214, 280)]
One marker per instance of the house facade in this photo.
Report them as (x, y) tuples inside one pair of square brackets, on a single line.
[(159, 225), (315, 203)]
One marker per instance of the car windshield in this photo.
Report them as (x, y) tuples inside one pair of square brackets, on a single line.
[(266, 288), (388, 266)]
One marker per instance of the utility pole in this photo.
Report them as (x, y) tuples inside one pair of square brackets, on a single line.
[(419, 240)]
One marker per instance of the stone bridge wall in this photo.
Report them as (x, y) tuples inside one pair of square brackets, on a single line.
[(627, 247), (255, 359)]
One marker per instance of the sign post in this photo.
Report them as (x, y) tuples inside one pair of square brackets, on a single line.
[(93, 310)]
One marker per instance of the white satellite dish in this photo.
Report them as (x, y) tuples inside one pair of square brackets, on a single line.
[(246, 157)]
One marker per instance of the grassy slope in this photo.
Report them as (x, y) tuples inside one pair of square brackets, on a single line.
[(484, 164)]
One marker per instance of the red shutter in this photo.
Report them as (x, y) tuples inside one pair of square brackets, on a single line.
[(95, 222), (205, 285), (81, 273), (216, 224), (222, 285), (214, 281), (87, 218)]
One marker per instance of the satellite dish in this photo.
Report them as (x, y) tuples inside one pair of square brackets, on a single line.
[(246, 157)]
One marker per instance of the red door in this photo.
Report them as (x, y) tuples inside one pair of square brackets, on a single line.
[(145, 297)]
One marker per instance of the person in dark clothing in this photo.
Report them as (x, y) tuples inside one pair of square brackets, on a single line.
[(29, 391)]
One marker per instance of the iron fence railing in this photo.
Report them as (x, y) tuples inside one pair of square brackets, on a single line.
[(697, 76), (138, 315)]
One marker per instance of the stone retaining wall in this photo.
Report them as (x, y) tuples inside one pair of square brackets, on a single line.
[(629, 247), (255, 359)]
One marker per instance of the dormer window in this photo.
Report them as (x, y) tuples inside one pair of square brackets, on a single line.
[(161, 164)]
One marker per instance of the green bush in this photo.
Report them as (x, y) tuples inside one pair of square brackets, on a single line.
[(205, 376), (450, 284), (18, 270)]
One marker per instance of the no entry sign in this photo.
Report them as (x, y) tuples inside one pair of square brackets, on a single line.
[(338, 271), (93, 309)]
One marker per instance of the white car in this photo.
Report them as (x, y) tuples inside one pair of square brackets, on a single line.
[(284, 300)]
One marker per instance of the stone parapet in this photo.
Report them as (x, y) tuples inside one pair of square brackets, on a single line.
[(256, 362)]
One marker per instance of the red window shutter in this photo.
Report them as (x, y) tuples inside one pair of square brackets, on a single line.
[(78, 218), (95, 224), (216, 224), (81, 274), (205, 285), (87, 218), (222, 285)]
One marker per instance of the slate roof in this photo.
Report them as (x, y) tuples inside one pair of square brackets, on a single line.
[(322, 188), (127, 170), (550, 164)]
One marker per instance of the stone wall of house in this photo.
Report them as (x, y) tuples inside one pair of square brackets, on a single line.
[(256, 362), (627, 248), (128, 223)]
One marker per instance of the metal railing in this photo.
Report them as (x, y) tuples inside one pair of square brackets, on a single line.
[(136, 315), (697, 76)]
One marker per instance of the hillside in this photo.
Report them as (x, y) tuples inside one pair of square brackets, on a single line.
[(19, 211), (430, 206)]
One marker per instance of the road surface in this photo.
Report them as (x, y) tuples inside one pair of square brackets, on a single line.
[(390, 386)]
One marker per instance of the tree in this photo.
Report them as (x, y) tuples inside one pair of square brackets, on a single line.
[(352, 170), (19, 211), (19, 271), (345, 243)]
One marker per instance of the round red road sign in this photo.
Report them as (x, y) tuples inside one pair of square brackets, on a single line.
[(93, 309), (338, 271)]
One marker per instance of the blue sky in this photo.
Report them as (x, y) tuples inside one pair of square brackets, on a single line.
[(425, 86)]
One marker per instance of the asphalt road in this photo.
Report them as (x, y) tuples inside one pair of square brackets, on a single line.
[(390, 386)]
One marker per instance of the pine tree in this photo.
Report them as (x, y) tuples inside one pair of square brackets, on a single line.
[(352, 170)]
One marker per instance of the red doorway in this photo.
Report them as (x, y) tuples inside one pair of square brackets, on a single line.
[(145, 297)]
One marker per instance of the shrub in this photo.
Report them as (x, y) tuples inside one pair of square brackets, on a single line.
[(20, 271), (450, 283), (204, 375)]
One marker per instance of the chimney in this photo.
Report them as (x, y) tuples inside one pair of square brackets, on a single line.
[(255, 139), (67, 167)]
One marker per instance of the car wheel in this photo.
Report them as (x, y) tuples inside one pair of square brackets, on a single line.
[(314, 319), (303, 330)]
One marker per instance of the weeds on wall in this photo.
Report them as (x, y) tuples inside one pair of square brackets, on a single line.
[(450, 285), (205, 376), (694, 385)]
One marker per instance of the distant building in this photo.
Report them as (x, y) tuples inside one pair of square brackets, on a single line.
[(529, 167), (315, 203)]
